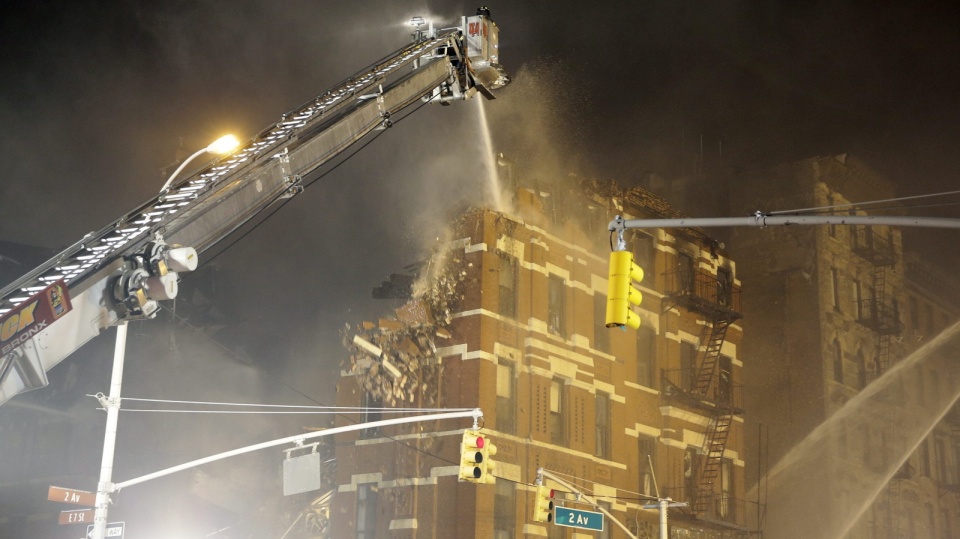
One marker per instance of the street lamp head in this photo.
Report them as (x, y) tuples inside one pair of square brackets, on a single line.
[(223, 145)]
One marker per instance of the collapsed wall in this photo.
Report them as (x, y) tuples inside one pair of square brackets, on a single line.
[(395, 359)]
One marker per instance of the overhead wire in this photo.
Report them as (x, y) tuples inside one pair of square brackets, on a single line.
[(860, 204)]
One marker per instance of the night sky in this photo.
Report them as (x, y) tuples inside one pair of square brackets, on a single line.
[(97, 99)]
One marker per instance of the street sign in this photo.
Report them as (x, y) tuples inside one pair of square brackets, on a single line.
[(79, 516), (113, 529), (69, 495), (577, 518)]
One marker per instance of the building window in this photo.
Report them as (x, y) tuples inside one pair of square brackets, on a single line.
[(857, 299), (602, 423), (644, 250), (690, 466), (925, 458), (505, 510), (367, 511), (508, 288), (371, 412), (725, 380), (647, 453), (724, 286), (914, 314), (835, 288), (861, 370), (688, 365), (725, 509), (646, 356), (556, 411), (842, 440), (506, 390), (837, 362), (940, 457), (921, 388), (601, 335), (685, 268), (556, 322)]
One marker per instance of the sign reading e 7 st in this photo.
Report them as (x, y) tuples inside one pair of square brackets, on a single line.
[(33, 316)]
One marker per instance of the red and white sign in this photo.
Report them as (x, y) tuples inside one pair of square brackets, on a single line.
[(33, 316), (69, 495)]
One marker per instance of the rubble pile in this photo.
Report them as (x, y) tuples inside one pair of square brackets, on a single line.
[(395, 360)]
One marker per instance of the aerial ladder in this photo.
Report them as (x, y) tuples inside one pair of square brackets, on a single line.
[(120, 272)]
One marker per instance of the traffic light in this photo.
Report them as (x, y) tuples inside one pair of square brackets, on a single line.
[(472, 457), (488, 466), (621, 294), (543, 505)]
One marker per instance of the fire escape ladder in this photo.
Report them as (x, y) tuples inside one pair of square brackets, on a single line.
[(711, 353), (714, 444)]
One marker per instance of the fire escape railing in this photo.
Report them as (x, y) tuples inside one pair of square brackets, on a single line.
[(703, 292), (872, 246), (720, 507), (879, 317), (722, 395), (717, 298)]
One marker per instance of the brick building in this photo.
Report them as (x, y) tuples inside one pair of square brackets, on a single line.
[(509, 317), (846, 398)]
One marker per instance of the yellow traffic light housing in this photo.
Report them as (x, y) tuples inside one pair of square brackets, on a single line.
[(472, 457), (543, 504), (621, 294), (488, 466)]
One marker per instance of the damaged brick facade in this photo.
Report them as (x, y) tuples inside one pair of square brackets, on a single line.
[(525, 341)]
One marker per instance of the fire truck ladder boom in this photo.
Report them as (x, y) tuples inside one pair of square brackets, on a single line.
[(202, 209)]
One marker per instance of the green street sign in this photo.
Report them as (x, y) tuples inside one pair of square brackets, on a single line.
[(576, 518)]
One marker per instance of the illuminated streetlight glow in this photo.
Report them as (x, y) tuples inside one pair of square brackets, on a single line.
[(222, 145)]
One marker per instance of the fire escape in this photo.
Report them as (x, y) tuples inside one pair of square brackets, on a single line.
[(873, 312), (707, 385)]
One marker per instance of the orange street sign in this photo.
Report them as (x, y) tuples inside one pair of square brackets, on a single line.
[(80, 516), (69, 495)]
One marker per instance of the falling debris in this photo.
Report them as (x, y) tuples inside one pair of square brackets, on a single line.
[(396, 360)]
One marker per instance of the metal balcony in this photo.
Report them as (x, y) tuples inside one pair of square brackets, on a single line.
[(680, 385), (874, 247), (723, 510), (879, 317), (704, 293)]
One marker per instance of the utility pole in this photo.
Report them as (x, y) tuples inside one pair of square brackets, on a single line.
[(112, 406)]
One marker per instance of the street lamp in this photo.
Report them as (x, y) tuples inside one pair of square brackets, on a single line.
[(222, 146), (111, 403)]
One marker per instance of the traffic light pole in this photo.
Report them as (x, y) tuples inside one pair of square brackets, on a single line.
[(761, 219), (476, 413)]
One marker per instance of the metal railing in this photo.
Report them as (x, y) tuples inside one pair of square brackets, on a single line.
[(878, 316), (702, 290), (871, 245), (682, 383), (722, 507)]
